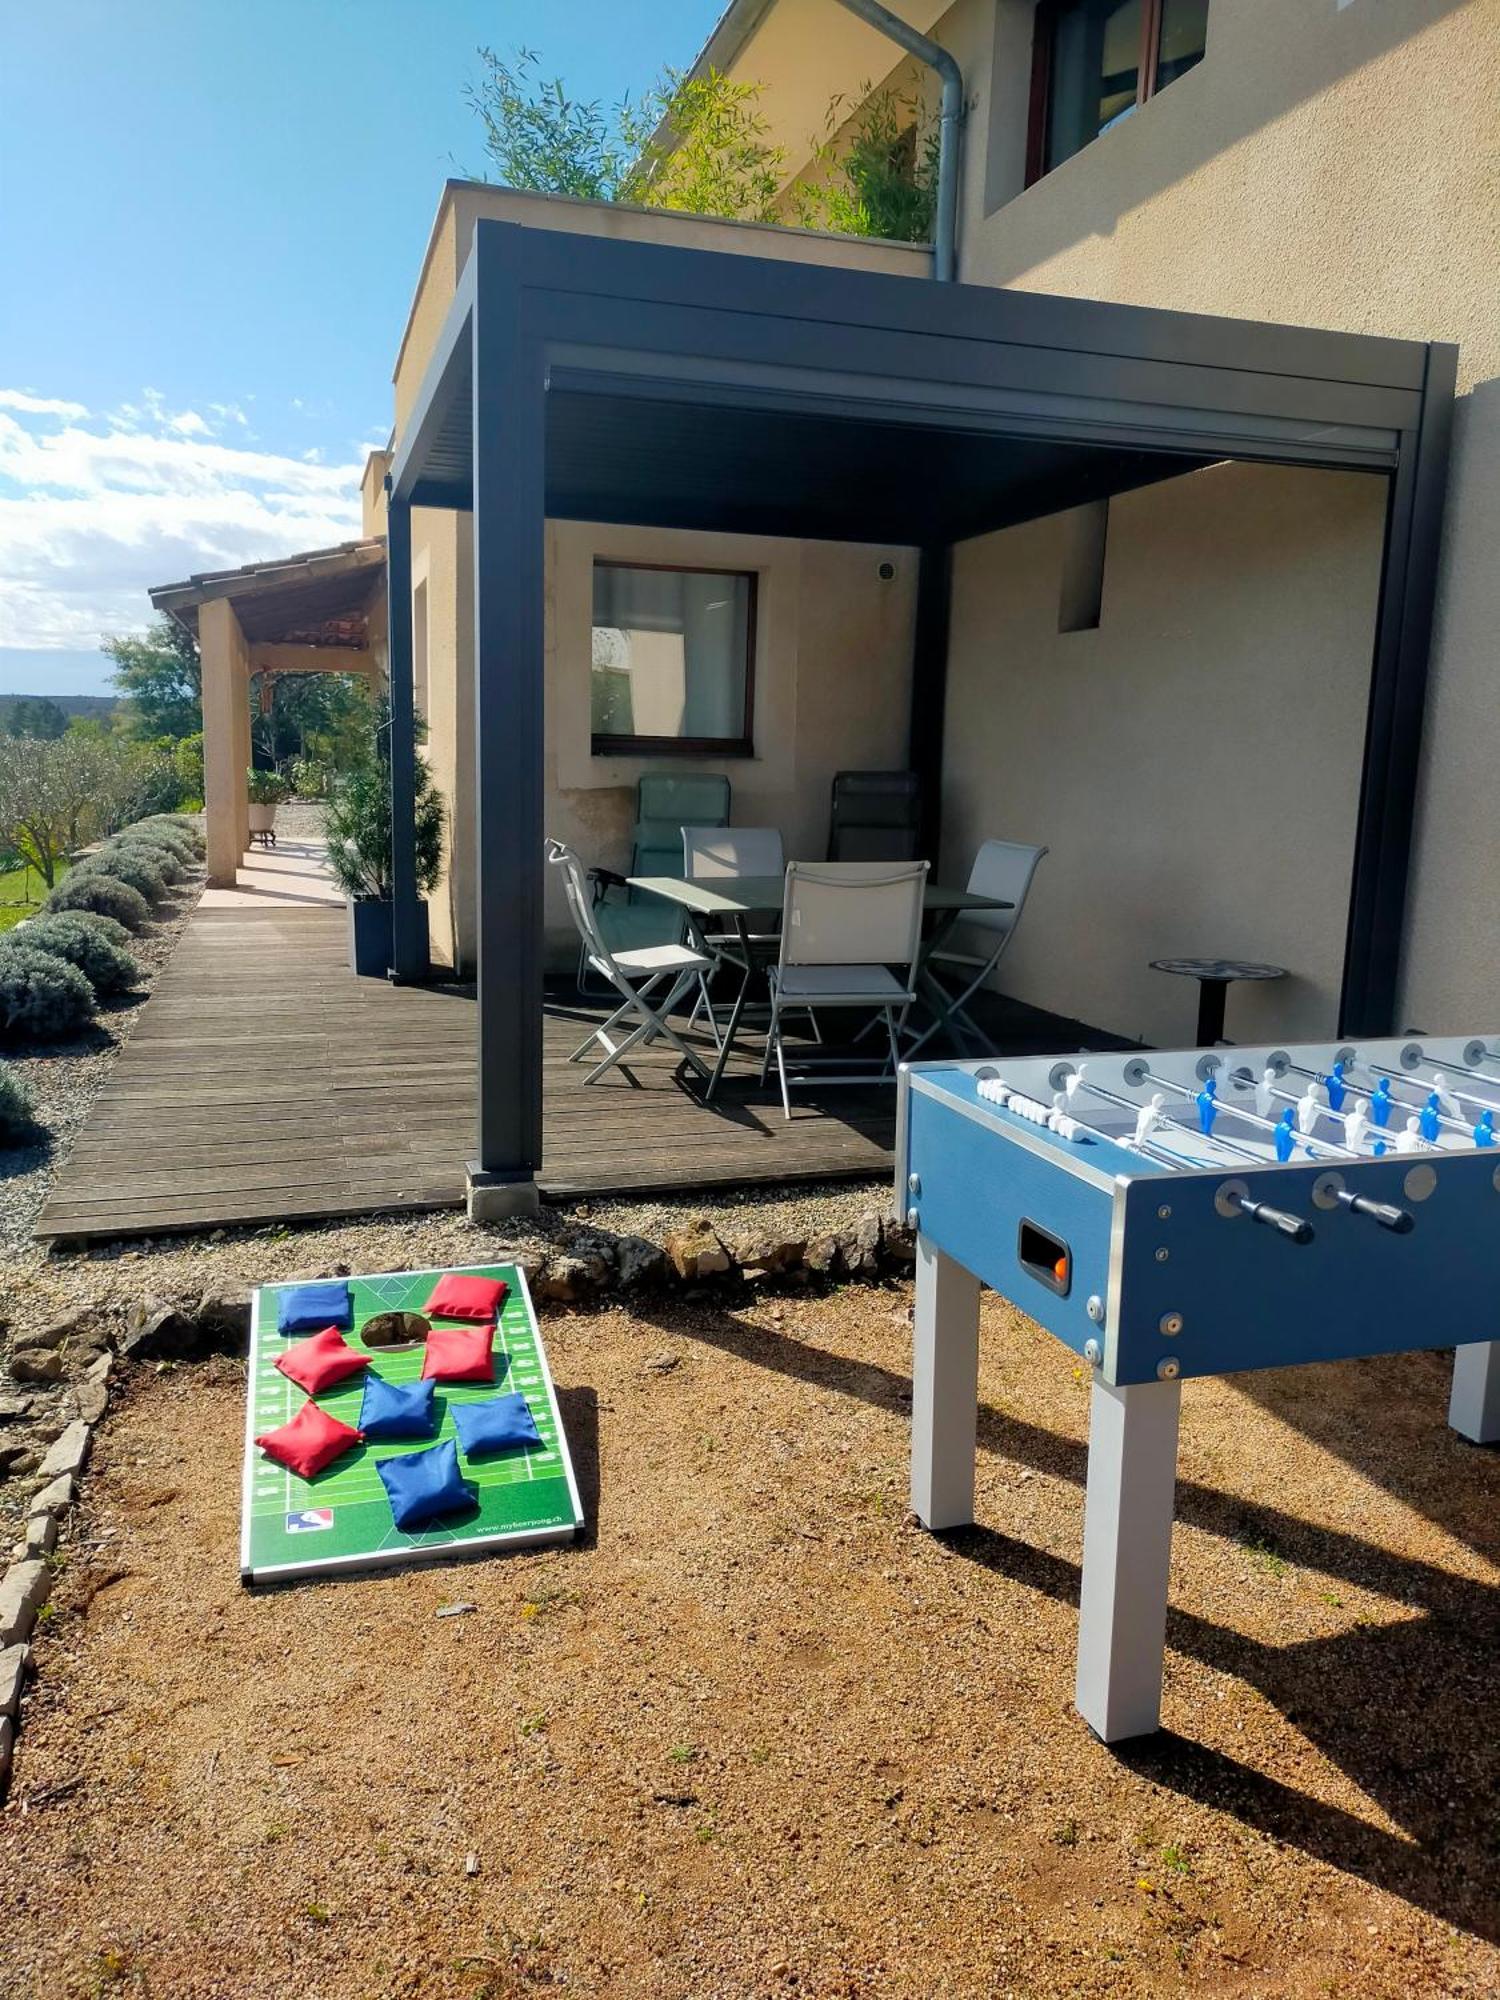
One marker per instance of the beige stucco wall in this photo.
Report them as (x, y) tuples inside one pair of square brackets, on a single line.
[(1330, 166), (1193, 764)]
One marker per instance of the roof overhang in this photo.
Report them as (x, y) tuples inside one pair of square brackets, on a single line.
[(321, 597), (691, 389)]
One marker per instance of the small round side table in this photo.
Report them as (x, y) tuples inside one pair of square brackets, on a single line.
[(1214, 976)]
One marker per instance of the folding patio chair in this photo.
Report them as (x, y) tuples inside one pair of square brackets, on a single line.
[(723, 852), (634, 975), (1002, 869), (874, 816), (847, 929)]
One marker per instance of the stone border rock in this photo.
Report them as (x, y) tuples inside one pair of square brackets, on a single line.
[(25, 1584), (585, 1264)]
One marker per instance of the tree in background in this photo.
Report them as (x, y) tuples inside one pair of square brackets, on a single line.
[(159, 675), (317, 719), (36, 716), (702, 145), (692, 143)]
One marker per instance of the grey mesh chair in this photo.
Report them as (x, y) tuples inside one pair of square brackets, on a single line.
[(850, 932), (1003, 869), (875, 816), (634, 974)]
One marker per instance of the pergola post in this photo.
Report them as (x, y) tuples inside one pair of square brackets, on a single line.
[(929, 688), (408, 946), (224, 658), (509, 553)]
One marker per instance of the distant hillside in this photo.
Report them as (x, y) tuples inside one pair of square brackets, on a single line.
[(70, 704)]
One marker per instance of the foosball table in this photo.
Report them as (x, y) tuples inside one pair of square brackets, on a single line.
[(1197, 1212)]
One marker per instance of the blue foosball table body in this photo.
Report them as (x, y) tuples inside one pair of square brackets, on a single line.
[(1177, 1214)]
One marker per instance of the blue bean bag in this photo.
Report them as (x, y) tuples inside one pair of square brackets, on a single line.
[(425, 1485), (499, 1423), (396, 1409), (309, 1308)]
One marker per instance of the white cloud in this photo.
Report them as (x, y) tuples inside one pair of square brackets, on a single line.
[(39, 406), (94, 510)]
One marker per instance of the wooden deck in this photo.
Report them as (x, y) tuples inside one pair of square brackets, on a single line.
[(265, 1083)]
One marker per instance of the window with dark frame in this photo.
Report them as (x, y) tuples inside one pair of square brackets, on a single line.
[(1095, 62), (673, 661)]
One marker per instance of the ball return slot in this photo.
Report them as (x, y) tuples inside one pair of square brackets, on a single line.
[(1044, 1257)]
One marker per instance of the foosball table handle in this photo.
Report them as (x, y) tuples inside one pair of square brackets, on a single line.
[(1400, 1220), (1294, 1227)]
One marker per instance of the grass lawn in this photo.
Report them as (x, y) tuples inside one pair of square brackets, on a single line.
[(22, 892)]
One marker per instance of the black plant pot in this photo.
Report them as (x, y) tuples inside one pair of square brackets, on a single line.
[(370, 949)]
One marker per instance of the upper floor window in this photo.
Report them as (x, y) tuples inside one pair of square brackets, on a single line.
[(673, 665), (1095, 61)]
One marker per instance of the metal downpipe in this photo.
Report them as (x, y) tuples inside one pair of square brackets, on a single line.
[(950, 122)]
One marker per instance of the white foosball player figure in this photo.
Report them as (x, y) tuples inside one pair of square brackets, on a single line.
[(1444, 1096), (1356, 1125), (1410, 1141), (1308, 1109), (1265, 1093), (1073, 1082), (1149, 1118)]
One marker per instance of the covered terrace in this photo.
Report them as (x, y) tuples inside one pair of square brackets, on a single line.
[(321, 612), (585, 379)]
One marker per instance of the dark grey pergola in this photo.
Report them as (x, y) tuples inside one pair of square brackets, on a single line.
[(588, 379)]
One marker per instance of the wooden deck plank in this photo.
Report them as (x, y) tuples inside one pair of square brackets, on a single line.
[(264, 1082)]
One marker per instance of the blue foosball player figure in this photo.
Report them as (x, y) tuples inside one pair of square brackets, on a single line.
[(1382, 1104), (1430, 1123), (1285, 1136), (1333, 1083), (1207, 1102), (1484, 1131)]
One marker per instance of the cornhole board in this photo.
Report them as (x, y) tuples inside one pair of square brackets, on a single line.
[(341, 1521)]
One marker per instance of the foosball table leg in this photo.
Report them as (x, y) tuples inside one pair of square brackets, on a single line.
[(1127, 1547), (1474, 1406), (944, 1390)]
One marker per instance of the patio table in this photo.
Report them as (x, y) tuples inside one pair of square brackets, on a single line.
[(739, 898)]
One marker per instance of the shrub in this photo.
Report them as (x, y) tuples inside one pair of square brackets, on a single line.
[(74, 937), (16, 1108), (40, 995), (105, 927), (167, 861), (92, 889), (186, 837), (132, 864), (267, 788), (160, 833)]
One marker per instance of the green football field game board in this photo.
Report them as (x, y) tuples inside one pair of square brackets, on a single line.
[(341, 1521)]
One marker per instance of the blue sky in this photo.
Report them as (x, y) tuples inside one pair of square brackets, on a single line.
[(212, 214)]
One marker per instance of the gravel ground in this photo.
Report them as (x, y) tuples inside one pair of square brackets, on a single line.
[(65, 1077), (758, 1735)]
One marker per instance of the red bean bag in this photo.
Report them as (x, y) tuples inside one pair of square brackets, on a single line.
[(459, 1354), (311, 1441), (316, 1364), (456, 1296)]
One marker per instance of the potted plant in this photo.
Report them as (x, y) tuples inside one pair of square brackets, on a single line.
[(267, 790), (357, 822)]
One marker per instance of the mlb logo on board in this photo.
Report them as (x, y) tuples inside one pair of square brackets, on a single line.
[(309, 1521)]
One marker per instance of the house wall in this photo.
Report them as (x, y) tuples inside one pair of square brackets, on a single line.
[(1193, 764), (1324, 165)]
